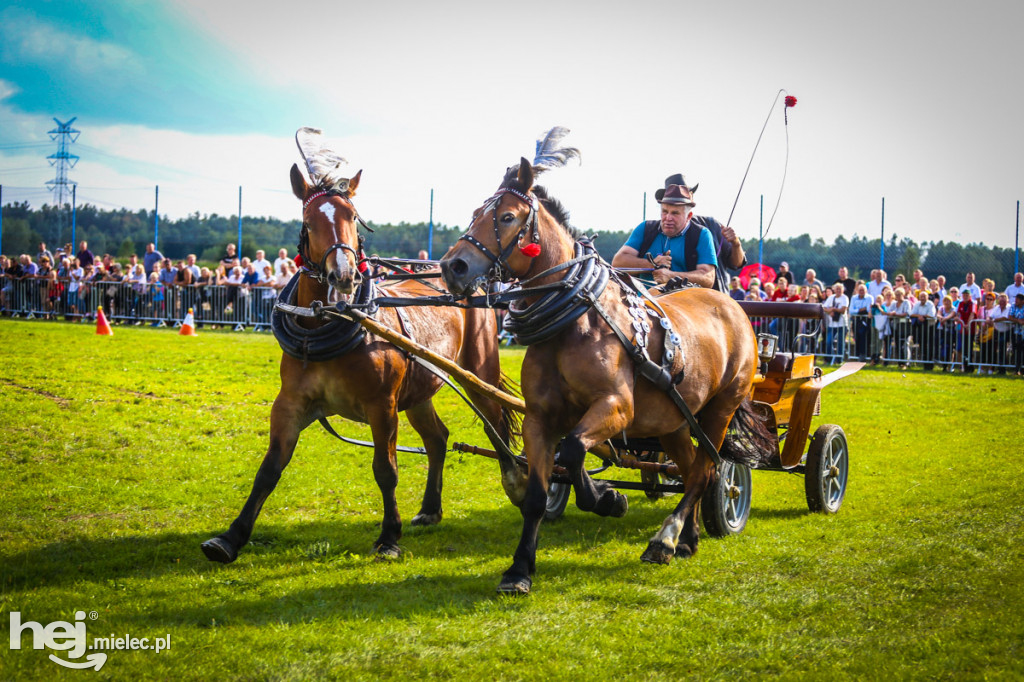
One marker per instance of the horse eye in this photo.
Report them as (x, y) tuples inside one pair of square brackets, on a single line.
[(508, 217)]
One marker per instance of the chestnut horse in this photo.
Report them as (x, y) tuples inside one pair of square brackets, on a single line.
[(371, 382), (581, 384)]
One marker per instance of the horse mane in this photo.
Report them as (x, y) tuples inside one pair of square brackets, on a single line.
[(551, 204)]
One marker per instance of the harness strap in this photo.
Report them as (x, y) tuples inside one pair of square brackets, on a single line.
[(662, 379)]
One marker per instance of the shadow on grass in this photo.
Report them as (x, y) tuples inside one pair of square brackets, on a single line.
[(294, 551)]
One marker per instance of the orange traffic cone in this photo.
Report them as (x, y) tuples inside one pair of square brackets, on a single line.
[(102, 326), (188, 327)]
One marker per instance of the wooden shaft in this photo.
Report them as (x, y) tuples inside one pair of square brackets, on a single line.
[(465, 378)]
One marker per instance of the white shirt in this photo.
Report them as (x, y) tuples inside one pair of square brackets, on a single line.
[(260, 264), (875, 288), (996, 315), (279, 264), (76, 278), (840, 301), (927, 309), (974, 289), (1013, 290)]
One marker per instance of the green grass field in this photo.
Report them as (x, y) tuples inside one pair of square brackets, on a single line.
[(122, 454)]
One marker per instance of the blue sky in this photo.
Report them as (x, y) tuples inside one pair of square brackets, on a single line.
[(918, 102)]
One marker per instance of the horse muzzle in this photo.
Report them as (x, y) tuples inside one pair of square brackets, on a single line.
[(461, 275)]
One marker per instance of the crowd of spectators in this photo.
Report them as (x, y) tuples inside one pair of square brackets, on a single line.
[(954, 326), (155, 288)]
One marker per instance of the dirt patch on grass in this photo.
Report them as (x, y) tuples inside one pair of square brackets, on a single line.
[(62, 402)]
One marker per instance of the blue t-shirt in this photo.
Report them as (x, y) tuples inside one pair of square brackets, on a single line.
[(677, 245)]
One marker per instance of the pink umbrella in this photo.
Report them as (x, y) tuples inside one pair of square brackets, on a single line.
[(765, 273)]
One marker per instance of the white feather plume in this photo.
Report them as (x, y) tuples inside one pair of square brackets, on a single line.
[(549, 155), (322, 164)]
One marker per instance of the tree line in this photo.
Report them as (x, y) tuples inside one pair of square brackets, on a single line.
[(122, 232)]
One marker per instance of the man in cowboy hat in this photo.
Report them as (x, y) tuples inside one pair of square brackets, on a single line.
[(682, 244)]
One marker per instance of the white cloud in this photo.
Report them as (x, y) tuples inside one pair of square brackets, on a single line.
[(28, 38)]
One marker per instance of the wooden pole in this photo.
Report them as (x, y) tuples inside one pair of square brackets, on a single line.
[(465, 378)]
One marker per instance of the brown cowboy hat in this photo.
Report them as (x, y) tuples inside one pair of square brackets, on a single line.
[(676, 191)]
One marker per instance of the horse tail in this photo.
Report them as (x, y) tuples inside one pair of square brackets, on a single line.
[(748, 441), (513, 419)]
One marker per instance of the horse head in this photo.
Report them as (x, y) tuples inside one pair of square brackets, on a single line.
[(329, 242), (517, 232)]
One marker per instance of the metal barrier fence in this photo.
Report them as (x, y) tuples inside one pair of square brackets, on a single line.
[(234, 306), (930, 344)]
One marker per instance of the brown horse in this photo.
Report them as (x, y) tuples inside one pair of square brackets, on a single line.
[(581, 385), (370, 382)]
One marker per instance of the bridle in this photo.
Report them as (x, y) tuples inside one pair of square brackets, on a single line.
[(499, 261), (318, 271)]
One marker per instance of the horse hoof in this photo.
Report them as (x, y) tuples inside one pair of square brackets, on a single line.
[(620, 507), (218, 549), (387, 552), (515, 586), (422, 519), (657, 553)]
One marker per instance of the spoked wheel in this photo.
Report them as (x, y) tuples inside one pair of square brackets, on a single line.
[(828, 467), (558, 498), (725, 505)]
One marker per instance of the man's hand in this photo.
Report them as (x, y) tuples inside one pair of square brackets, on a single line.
[(729, 234), (664, 260), (662, 275)]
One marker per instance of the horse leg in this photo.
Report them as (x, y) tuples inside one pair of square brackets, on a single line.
[(434, 433), (287, 420), (680, 532), (539, 447), (605, 418), (383, 420)]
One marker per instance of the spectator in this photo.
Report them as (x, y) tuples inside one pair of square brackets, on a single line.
[(947, 332), (423, 255), (849, 285), (941, 279), (811, 280), (268, 295), (835, 308), (877, 284), (860, 313), (84, 255), (735, 289), (137, 285), (880, 315), (923, 317), (769, 291), (986, 332), (954, 294), (44, 253), (1016, 288), (1000, 318), (261, 262), (229, 258), (112, 291), (898, 315), (157, 294), (75, 275), (780, 291), (970, 285), (784, 272), (280, 261), (1017, 316), (151, 258), (966, 311), (54, 289), (754, 292), (234, 289)]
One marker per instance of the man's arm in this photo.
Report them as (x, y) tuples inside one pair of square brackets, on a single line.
[(736, 256), (627, 257), (703, 276)]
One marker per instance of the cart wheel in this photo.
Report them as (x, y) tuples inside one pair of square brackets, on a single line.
[(725, 505), (828, 466), (653, 478), (558, 498)]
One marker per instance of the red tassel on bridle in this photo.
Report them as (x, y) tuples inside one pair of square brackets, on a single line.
[(531, 250)]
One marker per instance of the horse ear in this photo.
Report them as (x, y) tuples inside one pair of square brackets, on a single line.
[(525, 175), (353, 183), (299, 186)]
